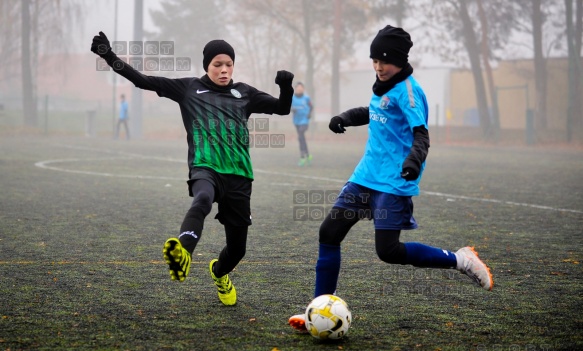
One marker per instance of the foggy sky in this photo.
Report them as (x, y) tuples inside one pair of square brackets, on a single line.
[(100, 17)]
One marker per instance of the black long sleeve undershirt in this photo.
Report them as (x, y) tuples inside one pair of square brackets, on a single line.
[(283, 103), (140, 80), (264, 103), (419, 149), (355, 117)]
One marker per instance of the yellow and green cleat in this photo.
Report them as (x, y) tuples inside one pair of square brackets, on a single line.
[(226, 289), (178, 259)]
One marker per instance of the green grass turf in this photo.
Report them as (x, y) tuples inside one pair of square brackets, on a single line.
[(81, 265)]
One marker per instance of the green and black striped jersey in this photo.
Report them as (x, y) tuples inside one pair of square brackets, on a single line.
[(215, 117)]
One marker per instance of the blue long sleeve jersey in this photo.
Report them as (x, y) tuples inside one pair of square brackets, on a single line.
[(391, 119)]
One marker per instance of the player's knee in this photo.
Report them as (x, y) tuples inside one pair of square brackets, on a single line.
[(327, 234), (203, 201), (394, 253)]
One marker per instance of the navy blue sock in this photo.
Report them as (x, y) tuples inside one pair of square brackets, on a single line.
[(327, 269), (420, 255)]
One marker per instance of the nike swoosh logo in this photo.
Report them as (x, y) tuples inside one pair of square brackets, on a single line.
[(201, 91)]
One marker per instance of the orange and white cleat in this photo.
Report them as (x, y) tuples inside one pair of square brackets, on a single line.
[(298, 322), (470, 264)]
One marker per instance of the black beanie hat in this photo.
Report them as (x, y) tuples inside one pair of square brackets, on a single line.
[(391, 45), (214, 48)]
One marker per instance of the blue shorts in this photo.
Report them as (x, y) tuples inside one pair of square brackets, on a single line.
[(388, 211)]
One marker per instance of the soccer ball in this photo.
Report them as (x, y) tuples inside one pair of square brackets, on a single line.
[(328, 317)]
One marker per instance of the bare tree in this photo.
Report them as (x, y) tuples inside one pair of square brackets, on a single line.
[(396, 10), (267, 48), (577, 43), (471, 44), (190, 24), (10, 28), (456, 32), (336, 42), (544, 22), (28, 97), (299, 18), (485, 51), (540, 65), (311, 25), (43, 27), (575, 75)]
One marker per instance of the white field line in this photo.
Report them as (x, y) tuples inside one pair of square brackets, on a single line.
[(47, 165), (125, 155), (432, 193), (512, 203)]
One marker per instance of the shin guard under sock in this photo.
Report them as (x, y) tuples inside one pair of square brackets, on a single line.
[(327, 269), (421, 255)]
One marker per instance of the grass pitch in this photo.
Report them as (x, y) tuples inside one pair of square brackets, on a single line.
[(83, 222)]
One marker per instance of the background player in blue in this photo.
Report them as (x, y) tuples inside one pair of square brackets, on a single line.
[(302, 110), (123, 117), (215, 111), (388, 174)]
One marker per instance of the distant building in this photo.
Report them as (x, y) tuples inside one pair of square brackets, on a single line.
[(515, 86)]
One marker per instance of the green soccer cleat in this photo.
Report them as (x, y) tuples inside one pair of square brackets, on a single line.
[(178, 259), (226, 289), (302, 162)]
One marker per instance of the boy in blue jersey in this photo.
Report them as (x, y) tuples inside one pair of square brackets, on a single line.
[(388, 174), (302, 110), (123, 117)]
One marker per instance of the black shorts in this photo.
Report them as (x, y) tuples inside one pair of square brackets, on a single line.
[(232, 194)]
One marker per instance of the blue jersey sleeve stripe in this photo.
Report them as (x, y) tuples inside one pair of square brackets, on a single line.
[(410, 93)]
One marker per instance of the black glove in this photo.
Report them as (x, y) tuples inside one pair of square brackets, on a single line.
[(284, 78), (100, 45), (410, 173), (337, 125)]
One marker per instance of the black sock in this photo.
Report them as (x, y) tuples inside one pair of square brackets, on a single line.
[(191, 229), (189, 240)]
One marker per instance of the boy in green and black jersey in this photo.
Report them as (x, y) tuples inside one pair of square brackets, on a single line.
[(214, 111)]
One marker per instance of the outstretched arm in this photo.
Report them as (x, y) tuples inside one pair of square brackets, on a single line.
[(350, 118), (171, 88)]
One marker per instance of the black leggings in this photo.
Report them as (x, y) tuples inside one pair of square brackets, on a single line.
[(336, 225), (203, 193), (233, 252)]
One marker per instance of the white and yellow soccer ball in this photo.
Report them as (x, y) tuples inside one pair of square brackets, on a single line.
[(328, 317)]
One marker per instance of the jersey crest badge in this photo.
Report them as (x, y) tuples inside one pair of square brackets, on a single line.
[(236, 93), (384, 102)]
